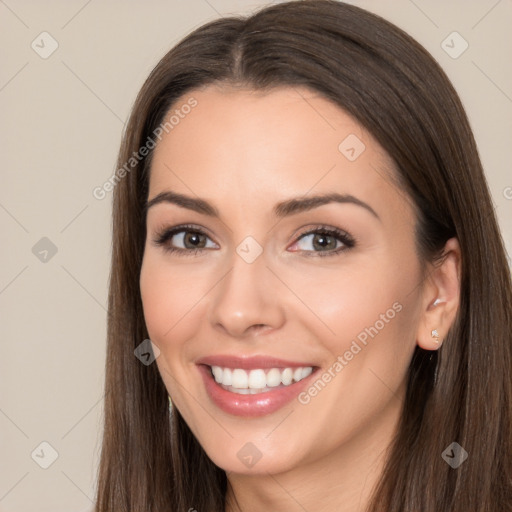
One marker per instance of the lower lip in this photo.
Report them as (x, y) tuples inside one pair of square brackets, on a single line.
[(250, 405)]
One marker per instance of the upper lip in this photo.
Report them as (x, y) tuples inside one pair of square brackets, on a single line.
[(250, 362)]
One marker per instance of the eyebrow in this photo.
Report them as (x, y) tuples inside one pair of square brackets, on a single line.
[(283, 209)]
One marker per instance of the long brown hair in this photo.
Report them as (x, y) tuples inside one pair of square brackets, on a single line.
[(461, 393)]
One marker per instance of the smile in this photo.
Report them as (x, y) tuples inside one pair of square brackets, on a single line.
[(253, 386), (243, 382)]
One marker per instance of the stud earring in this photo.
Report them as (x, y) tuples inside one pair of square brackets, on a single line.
[(436, 302), (435, 335)]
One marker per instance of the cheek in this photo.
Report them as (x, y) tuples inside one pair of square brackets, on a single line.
[(363, 309), (171, 301), (367, 330), (345, 300)]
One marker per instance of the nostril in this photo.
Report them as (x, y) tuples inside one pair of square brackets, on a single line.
[(260, 327)]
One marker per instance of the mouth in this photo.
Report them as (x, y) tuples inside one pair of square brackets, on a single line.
[(252, 382), (251, 387)]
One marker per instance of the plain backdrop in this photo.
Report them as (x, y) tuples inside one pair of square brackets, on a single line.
[(62, 115)]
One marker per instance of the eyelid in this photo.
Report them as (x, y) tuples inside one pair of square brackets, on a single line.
[(166, 228), (166, 233), (343, 236), (162, 235), (322, 228)]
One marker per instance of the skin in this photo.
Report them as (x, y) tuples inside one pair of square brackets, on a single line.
[(244, 151)]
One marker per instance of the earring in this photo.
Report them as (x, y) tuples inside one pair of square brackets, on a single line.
[(435, 335), (436, 302)]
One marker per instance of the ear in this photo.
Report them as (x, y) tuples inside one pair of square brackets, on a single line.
[(441, 297)]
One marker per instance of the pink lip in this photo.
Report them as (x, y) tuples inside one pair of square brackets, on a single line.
[(251, 405), (249, 362)]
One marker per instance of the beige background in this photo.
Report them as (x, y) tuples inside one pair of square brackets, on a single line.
[(61, 122)]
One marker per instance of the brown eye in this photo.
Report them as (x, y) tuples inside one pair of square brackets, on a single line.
[(184, 240), (193, 240), (318, 241), (324, 242)]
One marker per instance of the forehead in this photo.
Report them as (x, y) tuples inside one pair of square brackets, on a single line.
[(248, 146)]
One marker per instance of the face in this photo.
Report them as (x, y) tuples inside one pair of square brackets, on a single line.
[(280, 279)]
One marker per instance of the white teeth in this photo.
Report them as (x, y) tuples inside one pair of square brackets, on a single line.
[(258, 380), (240, 379), (217, 373), (273, 378), (287, 376), (306, 372), (227, 377)]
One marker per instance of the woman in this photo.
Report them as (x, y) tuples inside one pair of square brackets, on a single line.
[(303, 230)]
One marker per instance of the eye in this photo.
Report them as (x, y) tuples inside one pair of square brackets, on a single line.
[(184, 239), (190, 240), (324, 241)]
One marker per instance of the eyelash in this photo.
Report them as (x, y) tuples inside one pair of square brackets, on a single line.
[(161, 239)]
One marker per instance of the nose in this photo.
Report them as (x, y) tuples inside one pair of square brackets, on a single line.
[(245, 302)]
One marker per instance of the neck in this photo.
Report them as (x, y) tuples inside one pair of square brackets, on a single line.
[(342, 480)]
